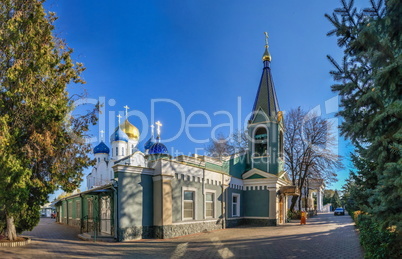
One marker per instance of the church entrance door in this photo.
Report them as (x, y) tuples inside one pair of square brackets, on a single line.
[(106, 218)]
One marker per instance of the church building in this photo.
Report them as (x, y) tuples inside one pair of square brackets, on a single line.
[(133, 194)]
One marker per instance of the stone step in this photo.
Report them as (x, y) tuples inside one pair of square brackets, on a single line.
[(84, 236)]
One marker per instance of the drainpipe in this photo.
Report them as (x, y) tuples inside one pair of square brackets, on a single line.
[(115, 212), (82, 211), (203, 193), (68, 221), (223, 203)]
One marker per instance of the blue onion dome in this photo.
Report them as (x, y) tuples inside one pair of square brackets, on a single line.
[(118, 135), (101, 148), (149, 143), (158, 149)]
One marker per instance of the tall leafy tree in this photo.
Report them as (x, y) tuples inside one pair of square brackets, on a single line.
[(370, 85), (309, 150), (41, 147)]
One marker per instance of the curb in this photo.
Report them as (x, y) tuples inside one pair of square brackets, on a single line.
[(14, 244)]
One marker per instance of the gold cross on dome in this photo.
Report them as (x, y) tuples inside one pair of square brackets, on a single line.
[(158, 129), (266, 38), (102, 132), (126, 107)]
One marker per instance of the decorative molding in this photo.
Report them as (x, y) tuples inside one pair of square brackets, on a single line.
[(133, 169), (193, 160), (263, 122), (259, 172), (162, 177)]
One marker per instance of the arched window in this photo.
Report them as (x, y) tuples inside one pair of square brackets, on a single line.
[(132, 149), (117, 151), (260, 142), (280, 144), (98, 159), (122, 151)]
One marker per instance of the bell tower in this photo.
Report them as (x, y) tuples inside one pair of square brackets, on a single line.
[(265, 126)]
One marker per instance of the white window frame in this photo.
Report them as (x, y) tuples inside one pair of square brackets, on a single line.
[(213, 203), (189, 189), (237, 214)]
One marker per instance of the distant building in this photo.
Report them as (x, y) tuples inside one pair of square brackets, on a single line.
[(134, 195), (313, 195), (47, 209)]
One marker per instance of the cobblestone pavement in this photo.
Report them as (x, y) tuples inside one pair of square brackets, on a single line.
[(324, 236)]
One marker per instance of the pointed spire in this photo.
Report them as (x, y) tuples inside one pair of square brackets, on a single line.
[(266, 99), (266, 56)]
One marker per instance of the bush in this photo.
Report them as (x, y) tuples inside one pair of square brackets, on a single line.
[(377, 243)]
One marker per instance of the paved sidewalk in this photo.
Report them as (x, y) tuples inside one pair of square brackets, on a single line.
[(324, 236)]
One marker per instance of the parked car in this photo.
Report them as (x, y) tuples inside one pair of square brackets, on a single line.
[(339, 211)]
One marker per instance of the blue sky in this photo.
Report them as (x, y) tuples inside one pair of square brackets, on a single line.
[(204, 55)]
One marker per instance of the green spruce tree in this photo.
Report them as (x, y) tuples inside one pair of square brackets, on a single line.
[(370, 86), (41, 147), (335, 200)]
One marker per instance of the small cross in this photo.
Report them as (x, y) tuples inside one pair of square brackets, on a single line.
[(119, 116), (159, 124), (266, 38), (152, 130), (126, 107), (102, 132)]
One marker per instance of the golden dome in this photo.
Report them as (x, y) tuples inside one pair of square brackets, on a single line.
[(131, 130), (266, 56)]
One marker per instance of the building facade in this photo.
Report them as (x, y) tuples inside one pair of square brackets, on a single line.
[(133, 194)]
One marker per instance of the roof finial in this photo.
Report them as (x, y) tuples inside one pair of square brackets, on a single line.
[(102, 134), (126, 107), (152, 130), (119, 116), (266, 56), (158, 129)]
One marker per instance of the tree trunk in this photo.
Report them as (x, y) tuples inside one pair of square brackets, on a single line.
[(307, 199), (300, 200), (293, 203), (11, 233)]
